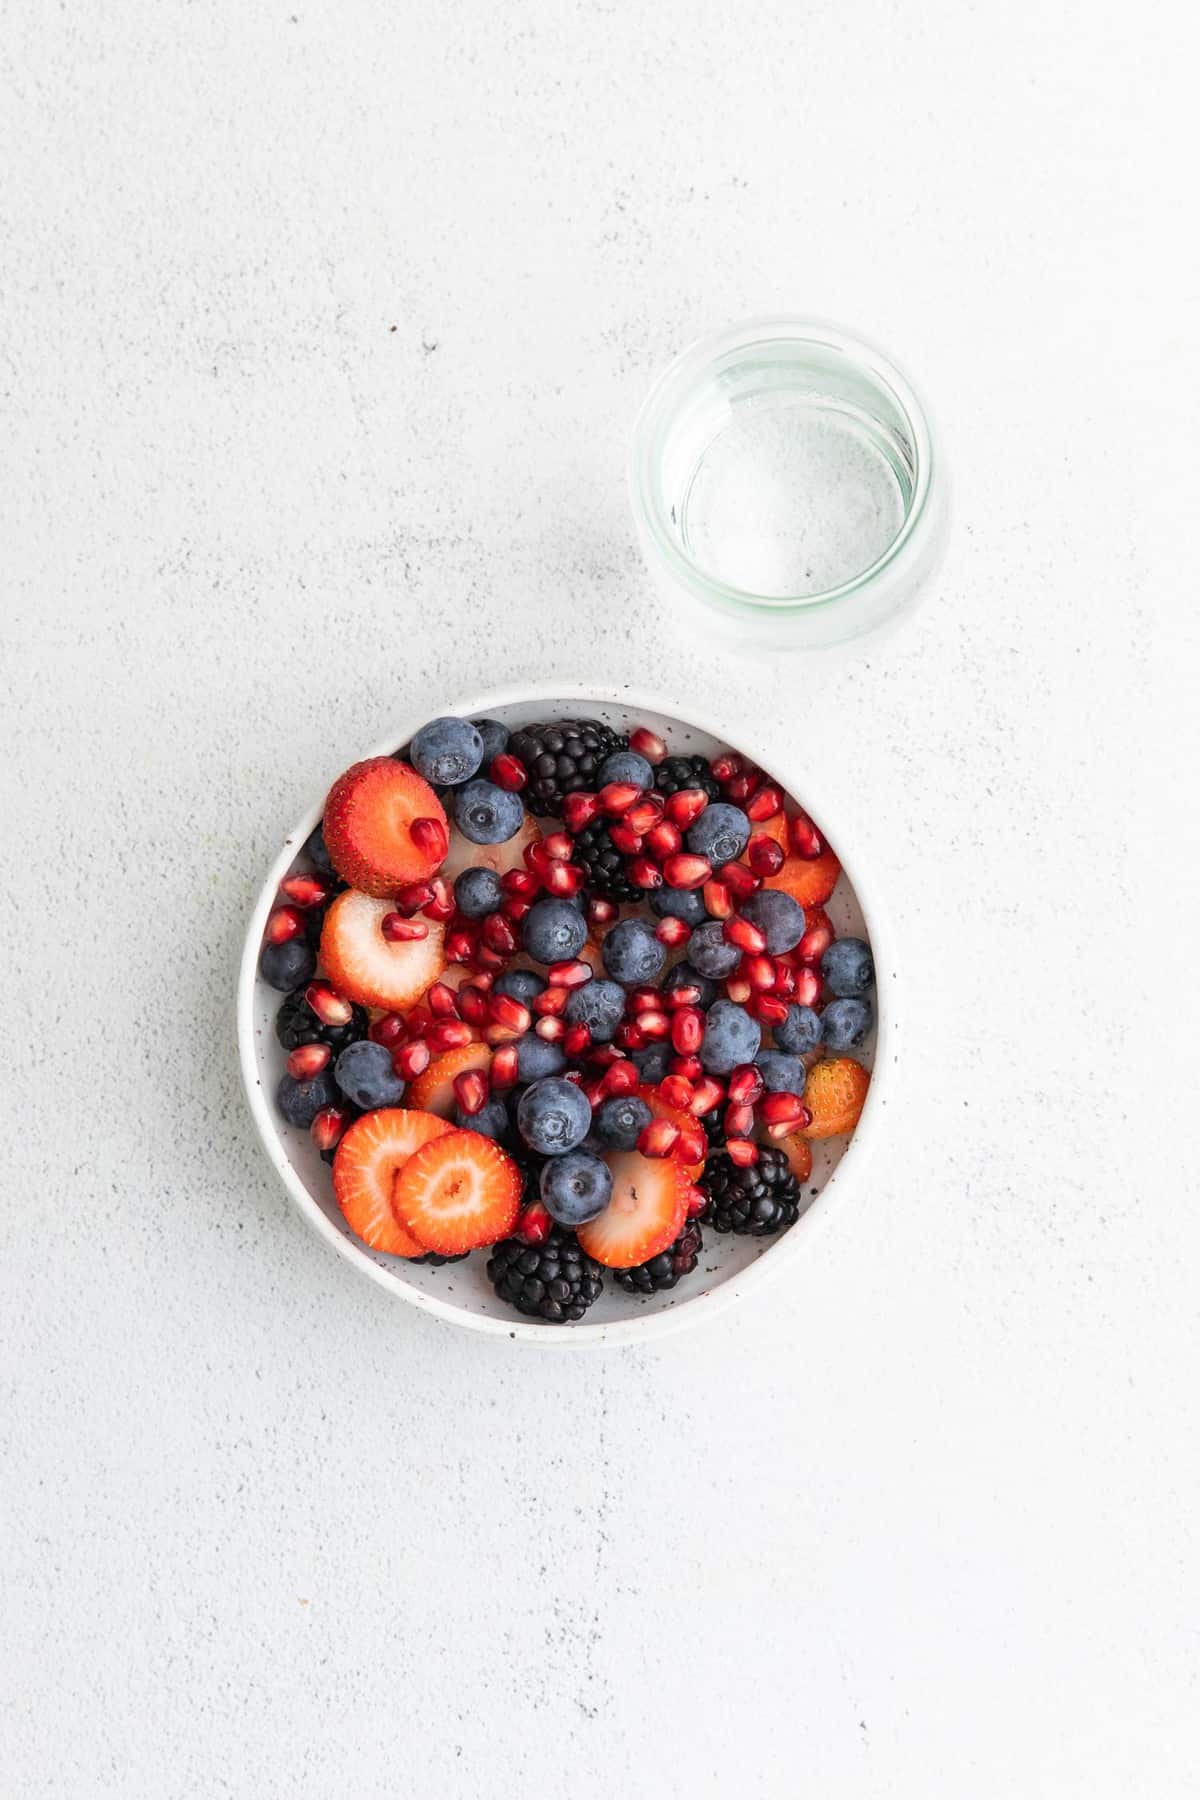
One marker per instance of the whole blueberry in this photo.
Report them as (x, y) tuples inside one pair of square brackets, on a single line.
[(847, 967), (782, 1074), (619, 1122), (778, 917), (632, 954), (488, 814), (710, 952), (575, 1187), (679, 903), (626, 765), (365, 1075), (520, 984), (846, 1023), (285, 966), (490, 1121), (653, 1062), (494, 736), (721, 833), (600, 1005), (685, 974), (553, 931), (553, 1116), (301, 1101), (536, 1058), (477, 892), (800, 1032), (316, 852), (447, 752), (731, 1037)]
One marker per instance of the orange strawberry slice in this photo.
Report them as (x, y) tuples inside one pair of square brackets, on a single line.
[(662, 1109), (368, 826), (365, 1166), (798, 1151), (463, 854), (459, 1192), (364, 966), (809, 880), (834, 1095), (645, 1214), (433, 1090)]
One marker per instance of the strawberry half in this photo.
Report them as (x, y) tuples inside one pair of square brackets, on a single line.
[(365, 966), (433, 1090), (365, 1167), (368, 826), (645, 1214), (459, 1192), (809, 881)]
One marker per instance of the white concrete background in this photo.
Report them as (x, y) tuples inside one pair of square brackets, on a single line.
[(323, 329)]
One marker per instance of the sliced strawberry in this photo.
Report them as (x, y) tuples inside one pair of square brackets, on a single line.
[(809, 880), (365, 1167), (463, 854), (798, 1151), (367, 967), (459, 1192), (434, 1090), (368, 826), (645, 1214), (662, 1109)]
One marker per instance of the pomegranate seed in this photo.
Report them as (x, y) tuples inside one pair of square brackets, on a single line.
[(576, 1039), (718, 900), (665, 840), (497, 933), (745, 935), (550, 1002), (739, 790), (389, 1030), (579, 810), (630, 1036), (306, 890), (593, 1091), (808, 987), (676, 1091), (642, 999), (742, 1151), (507, 1011), (329, 1006), (418, 1022), (765, 803), (508, 772), (684, 870), (706, 1094), (759, 971), (764, 855), (739, 1119), (696, 1200), (658, 1138), (816, 940), (672, 933), (573, 974), (494, 1035), (574, 1076), (616, 797), (440, 904), (646, 814), (308, 1061), (534, 1224), (442, 1001), (399, 930), (600, 912), (622, 1077), (727, 766), (769, 1008), (690, 1068), (521, 883), (550, 1028), (327, 1127), (459, 946), (782, 1108), (746, 1085), (682, 996), (604, 1054), (643, 873), (558, 845), (687, 1030), (625, 839), (471, 1090), (801, 1124), (785, 978), (430, 837), (738, 989), (449, 1034), (692, 1144), (686, 806), (563, 879), (647, 743), (504, 1066), (741, 881), (487, 960), (411, 1060), (284, 923), (413, 897), (654, 1024), (806, 839), (515, 907), (483, 980)]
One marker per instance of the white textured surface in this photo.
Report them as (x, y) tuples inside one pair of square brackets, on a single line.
[(322, 332)]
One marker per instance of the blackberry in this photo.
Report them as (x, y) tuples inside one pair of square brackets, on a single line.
[(296, 1023), (555, 1280), (665, 1269), (562, 757), (605, 865), (714, 1127), (675, 773), (754, 1202), (436, 1261)]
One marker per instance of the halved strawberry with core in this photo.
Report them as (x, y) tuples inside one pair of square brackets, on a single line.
[(809, 881), (463, 854), (368, 826), (662, 1109), (459, 1192), (365, 1167), (365, 966), (434, 1090), (645, 1214)]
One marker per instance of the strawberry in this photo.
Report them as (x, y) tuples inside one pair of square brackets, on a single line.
[(809, 880), (459, 1192), (365, 1167), (433, 1091), (662, 1109), (798, 1151), (645, 1214), (369, 823), (463, 854), (834, 1095), (365, 966)]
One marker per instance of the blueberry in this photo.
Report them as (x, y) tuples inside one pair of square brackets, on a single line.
[(600, 1005), (783, 1074), (848, 968), (626, 765), (731, 1037), (653, 1062), (685, 975), (286, 966), (619, 1122), (575, 1187), (536, 1058), (632, 954), (488, 814), (317, 853), (301, 1101), (490, 1121), (477, 892), (494, 737), (721, 833), (710, 952), (447, 752), (553, 1116), (845, 1024), (800, 1032), (553, 931), (679, 903), (778, 917), (520, 984), (365, 1075)]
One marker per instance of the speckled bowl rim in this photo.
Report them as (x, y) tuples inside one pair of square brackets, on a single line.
[(841, 1184)]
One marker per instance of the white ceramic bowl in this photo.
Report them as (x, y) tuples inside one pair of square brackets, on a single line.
[(731, 1267)]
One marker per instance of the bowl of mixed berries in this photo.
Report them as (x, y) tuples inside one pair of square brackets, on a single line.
[(557, 1018)]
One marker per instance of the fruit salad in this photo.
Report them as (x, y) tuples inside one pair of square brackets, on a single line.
[(562, 997)]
